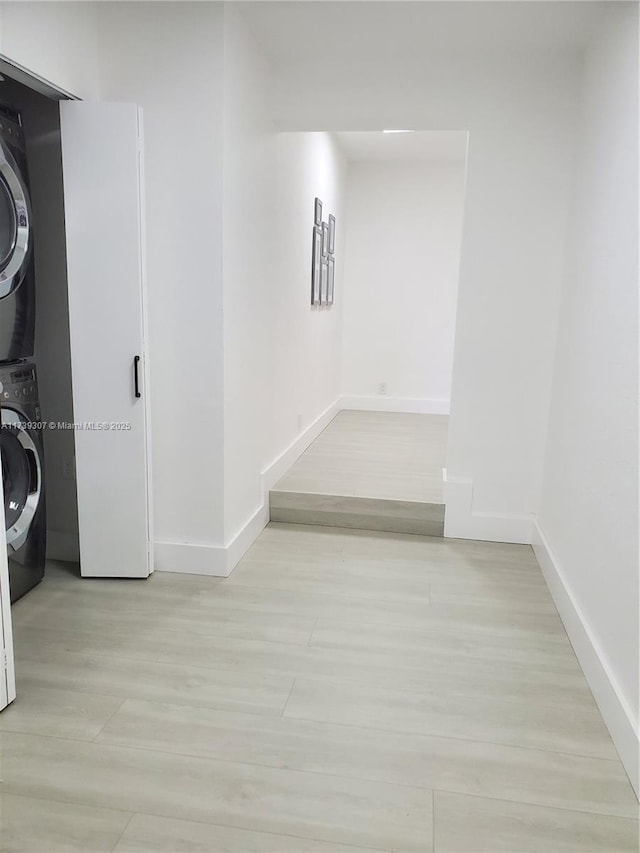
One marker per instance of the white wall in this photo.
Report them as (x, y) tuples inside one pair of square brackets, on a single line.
[(281, 356), (56, 41), (307, 339), (176, 76), (588, 518), (520, 113), (404, 227), (250, 253)]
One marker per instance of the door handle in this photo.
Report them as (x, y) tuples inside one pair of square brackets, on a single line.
[(136, 382)]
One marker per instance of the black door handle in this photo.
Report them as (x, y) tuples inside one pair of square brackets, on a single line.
[(136, 362)]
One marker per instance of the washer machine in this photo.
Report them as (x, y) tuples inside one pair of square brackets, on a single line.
[(21, 449), (17, 278)]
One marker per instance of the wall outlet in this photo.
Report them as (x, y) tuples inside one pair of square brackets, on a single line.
[(299, 423), (382, 388), (68, 468)]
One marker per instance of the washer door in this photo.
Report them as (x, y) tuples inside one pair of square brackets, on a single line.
[(21, 478), (15, 224)]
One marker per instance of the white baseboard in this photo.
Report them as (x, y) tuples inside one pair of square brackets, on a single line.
[(382, 403), (461, 522), (281, 464), (220, 560), (244, 538), (63, 546), (610, 699)]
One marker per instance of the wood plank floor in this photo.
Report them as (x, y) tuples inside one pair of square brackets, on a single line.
[(371, 471), (385, 455), (341, 691)]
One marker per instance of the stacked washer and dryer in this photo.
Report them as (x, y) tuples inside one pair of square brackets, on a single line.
[(21, 445)]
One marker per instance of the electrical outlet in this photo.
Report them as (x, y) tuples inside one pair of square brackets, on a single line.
[(300, 423), (382, 388), (68, 472)]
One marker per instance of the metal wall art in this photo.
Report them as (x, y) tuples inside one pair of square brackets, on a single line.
[(316, 264), (323, 262), (331, 279)]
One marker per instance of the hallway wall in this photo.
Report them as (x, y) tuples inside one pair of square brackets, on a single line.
[(404, 227), (248, 186), (588, 519), (307, 339), (281, 355)]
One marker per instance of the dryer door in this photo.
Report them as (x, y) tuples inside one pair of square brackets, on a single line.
[(21, 478), (15, 224)]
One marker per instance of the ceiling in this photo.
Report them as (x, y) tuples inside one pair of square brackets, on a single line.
[(297, 30), (426, 145)]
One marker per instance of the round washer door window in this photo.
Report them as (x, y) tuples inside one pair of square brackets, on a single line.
[(16, 475), (21, 477), (8, 223), (15, 224)]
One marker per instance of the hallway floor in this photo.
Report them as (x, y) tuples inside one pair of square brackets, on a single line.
[(341, 691), (389, 455), (369, 471)]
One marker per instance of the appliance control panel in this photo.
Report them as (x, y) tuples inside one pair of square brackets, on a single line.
[(18, 382), (11, 125)]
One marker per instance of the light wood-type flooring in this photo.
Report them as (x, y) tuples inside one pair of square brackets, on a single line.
[(341, 691), (369, 470)]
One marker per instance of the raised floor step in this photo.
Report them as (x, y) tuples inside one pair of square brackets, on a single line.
[(391, 516)]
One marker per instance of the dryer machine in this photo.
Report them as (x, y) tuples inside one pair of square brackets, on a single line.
[(22, 476), (17, 282)]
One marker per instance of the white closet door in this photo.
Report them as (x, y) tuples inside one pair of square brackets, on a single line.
[(7, 669), (102, 167)]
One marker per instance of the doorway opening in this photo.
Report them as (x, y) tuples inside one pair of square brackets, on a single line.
[(379, 463)]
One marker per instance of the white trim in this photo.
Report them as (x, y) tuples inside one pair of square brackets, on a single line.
[(244, 538), (461, 522), (220, 560), (382, 403), (606, 691), (7, 662), (279, 467), (63, 546)]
